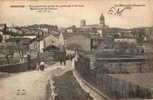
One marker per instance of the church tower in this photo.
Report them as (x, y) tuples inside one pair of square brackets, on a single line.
[(82, 23), (102, 20)]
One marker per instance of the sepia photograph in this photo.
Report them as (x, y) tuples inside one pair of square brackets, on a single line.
[(76, 50)]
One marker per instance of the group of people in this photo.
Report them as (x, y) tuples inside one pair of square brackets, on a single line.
[(65, 55), (62, 57)]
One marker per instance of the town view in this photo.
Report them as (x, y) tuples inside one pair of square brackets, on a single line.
[(85, 62)]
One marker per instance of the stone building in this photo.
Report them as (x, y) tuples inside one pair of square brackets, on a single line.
[(92, 29), (4, 35)]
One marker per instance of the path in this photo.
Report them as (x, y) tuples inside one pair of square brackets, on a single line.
[(27, 85), (32, 85)]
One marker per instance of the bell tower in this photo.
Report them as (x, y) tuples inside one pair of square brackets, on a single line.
[(102, 20)]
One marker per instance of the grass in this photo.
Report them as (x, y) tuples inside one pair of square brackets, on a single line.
[(68, 88)]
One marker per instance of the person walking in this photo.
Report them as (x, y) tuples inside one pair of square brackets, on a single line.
[(60, 57), (64, 57), (29, 61)]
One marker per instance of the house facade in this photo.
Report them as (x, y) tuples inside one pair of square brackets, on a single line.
[(4, 34)]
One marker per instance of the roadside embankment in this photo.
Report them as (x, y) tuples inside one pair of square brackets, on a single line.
[(67, 88)]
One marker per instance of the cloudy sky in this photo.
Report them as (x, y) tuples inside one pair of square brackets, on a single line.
[(137, 16)]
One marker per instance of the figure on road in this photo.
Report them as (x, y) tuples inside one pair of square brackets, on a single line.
[(62, 57), (29, 61), (42, 66)]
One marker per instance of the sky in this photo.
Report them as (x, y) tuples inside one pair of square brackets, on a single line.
[(137, 16)]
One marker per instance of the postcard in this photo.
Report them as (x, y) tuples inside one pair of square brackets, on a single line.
[(76, 50)]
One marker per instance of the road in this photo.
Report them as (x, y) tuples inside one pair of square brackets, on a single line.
[(27, 85), (32, 85)]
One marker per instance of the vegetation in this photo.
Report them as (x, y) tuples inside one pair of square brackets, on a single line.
[(73, 89)]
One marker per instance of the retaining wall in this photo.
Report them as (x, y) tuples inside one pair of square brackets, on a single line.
[(20, 67)]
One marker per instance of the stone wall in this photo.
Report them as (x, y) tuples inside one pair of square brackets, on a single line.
[(20, 67)]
